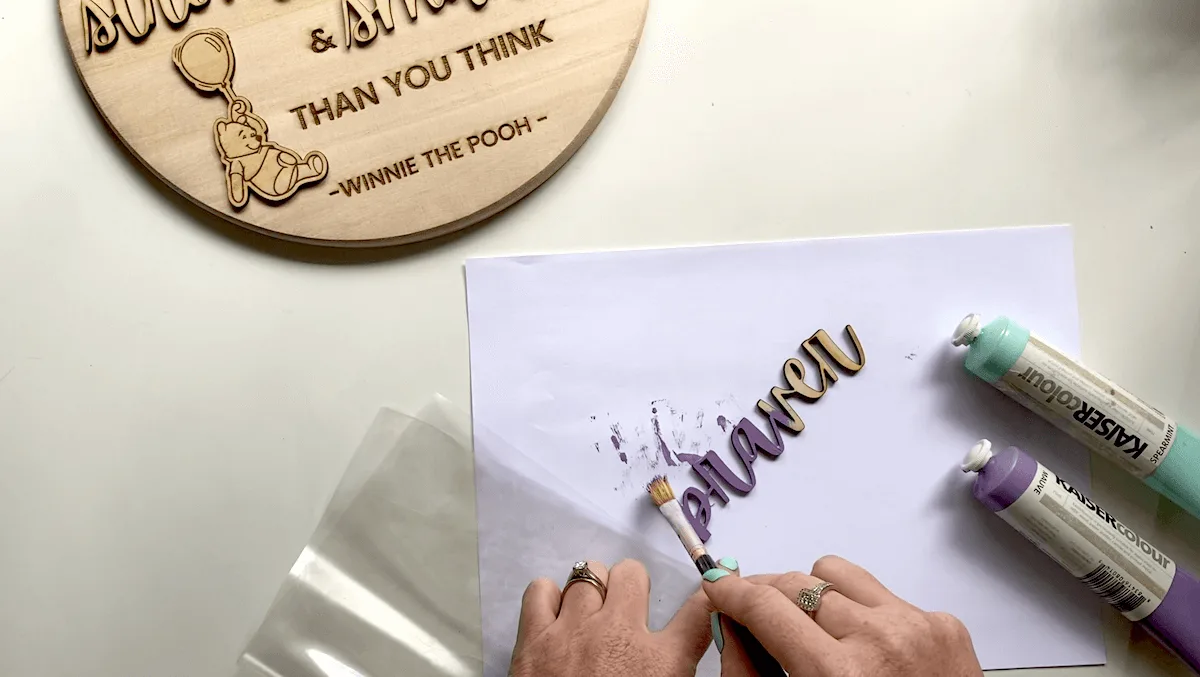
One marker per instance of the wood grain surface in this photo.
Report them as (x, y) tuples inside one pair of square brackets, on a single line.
[(347, 122)]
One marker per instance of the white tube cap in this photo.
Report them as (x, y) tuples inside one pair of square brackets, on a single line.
[(978, 456), (968, 330)]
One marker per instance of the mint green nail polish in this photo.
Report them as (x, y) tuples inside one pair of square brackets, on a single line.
[(729, 563), (714, 575), (718, 635)]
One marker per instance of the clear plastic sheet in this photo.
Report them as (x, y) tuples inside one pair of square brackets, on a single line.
[(389, 584)]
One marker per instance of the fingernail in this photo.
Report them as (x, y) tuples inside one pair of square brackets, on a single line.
[(729, 563), (718, 635), (714, 575)]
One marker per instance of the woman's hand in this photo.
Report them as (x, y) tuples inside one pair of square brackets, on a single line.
[(861, 628), (609, 637)]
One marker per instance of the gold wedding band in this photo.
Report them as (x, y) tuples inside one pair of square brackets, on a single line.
[(581, 573)]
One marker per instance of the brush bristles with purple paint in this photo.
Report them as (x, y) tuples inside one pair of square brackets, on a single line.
[(664, 497)]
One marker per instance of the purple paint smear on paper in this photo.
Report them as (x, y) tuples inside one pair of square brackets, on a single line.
[(616, 435), (645, 455), (662, 446), (641, 455)]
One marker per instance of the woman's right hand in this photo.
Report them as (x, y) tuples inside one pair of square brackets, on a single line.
[(861, 628)]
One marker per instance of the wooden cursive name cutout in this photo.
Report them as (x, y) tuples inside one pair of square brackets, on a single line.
[(252, 163), (748, 441)]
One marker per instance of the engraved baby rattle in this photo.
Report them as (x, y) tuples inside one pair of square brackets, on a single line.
[(252, 163)]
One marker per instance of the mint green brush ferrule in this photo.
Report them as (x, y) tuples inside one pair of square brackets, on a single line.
[(1103, 416)]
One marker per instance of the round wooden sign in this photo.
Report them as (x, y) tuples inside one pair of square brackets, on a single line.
[(353, 122)]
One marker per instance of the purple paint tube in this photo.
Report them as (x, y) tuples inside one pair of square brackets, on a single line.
[(1127, 572)]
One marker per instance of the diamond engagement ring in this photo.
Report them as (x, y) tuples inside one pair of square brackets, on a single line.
[(581, 573), (809, 599)]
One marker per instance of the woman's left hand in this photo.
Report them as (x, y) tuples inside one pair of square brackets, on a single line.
[(606, 636)]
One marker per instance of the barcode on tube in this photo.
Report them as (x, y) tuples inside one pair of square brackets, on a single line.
[(1113, 589)]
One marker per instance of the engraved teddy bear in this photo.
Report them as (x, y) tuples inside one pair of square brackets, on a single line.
[(255, 164)]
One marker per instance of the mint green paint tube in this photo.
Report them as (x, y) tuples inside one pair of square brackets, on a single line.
[(1102, 415)]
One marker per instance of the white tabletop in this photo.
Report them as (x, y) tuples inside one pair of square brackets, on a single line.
[(178, 398)]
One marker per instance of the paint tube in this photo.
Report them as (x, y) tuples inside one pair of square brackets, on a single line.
[(1103, 416), (1128, 572)]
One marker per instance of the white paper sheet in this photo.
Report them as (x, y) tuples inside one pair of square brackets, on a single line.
[(573, 356)]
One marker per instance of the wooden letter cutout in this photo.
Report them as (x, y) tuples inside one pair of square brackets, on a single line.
[(793, 374), (793, 423), (699, 517), (748, 441), (755, 440), (843, 360)]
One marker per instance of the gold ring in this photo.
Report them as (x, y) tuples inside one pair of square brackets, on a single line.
[(581, 573), (809, 599)]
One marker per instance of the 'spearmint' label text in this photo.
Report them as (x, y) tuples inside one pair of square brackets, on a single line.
[(1089, 407)]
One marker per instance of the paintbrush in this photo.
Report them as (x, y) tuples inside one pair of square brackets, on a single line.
[(664, 497), (660, 490)]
